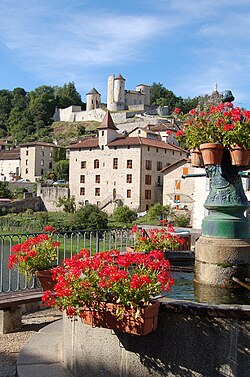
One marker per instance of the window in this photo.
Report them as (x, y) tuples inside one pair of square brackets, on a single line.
[(83, 164), (128, 193), (159, 165), (157, 150), (50, 165), (115, 163), (129, 178), (97, 179), (177, 184), (102, 147), (82, 178), (148, 165), (82, 190), (129, 164), (102, 133), (27, 161), (148, 149), (42, 162), (148, 179), (50, 154), (147, 194), (27, 152), (41, 171), (97, 191), (42, 153), (158, 181), (26, 171), (96, 164)]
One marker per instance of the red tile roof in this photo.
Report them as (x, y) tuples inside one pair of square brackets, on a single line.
[(107, 123), (12, 154)]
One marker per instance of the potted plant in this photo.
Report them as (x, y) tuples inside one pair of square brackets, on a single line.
[(112, 290), (216, 128), (164, 239), (36, 256)]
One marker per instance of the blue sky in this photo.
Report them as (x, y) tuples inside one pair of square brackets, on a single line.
[(187, 45)]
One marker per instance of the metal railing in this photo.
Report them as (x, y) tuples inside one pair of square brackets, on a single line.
[(70, 243)]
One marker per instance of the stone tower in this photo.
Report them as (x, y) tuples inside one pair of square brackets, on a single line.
[(145, 89), (116, 93), (93, 100)]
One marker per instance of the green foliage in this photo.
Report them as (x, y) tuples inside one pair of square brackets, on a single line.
[(181, 220), (160, 96), (59, 154), (124, 215), (158, 211), (62, 169), (89, 217), (68, 204), (4, 190), (67, 96)]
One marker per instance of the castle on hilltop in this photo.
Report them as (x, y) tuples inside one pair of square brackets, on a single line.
[(118, 98)]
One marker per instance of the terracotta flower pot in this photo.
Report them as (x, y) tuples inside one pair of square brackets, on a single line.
[(239, 155), (46, 281), (212, 153), (196, 158), (128, 322)]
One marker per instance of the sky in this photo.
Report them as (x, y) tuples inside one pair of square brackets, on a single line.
[(186, 45)]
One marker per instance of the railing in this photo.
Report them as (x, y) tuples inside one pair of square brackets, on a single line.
[(70, 243)]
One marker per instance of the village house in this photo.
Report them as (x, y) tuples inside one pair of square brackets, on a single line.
[(10, 164), (36, 159), (117, 169)]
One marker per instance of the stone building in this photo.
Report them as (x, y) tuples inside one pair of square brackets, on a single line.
[(115, 169), (189, 193), (93, 100), (36, 159), (118, 98)]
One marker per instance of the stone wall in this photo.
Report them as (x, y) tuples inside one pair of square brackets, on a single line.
[(49, 196), (191, 340), (17, 206)]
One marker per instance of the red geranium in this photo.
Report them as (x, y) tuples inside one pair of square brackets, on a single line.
[(130, 279), (35, 254)]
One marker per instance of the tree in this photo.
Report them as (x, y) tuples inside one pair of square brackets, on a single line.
[(89, 217), (68, 204), (59, 154), (124, 215), (62, 169), (5, 109), (5, 191), (67, 96), (158, 211)]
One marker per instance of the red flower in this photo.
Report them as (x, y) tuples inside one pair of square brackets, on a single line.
[(49, 228), (177, 110)]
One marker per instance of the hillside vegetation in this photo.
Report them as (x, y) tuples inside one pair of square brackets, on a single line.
[(66, 132)]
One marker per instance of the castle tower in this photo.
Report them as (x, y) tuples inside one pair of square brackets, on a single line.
[(119, 91), (145, 89), (116, 93), (110, 94), (93, 100)]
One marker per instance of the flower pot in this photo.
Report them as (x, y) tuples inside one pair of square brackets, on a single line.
[(127, 322), (196, 158), (45, 278), (212, 153), (239, 155)]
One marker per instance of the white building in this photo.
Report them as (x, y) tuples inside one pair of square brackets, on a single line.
[(115, 169), (10, 163), (189, 193)]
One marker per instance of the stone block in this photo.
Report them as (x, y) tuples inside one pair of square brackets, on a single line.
[(10, 320)]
